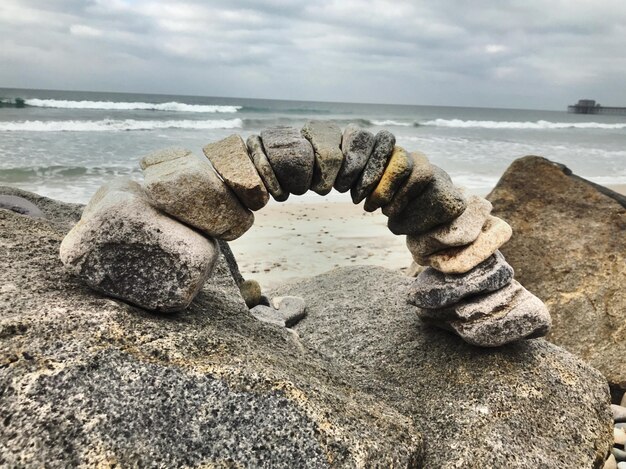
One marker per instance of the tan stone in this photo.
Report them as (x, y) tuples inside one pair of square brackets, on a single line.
[(462, 259), (230, 159), (325, 138), (459, 232), (264, 168), (421, 175), (397, 170), (189, 189)]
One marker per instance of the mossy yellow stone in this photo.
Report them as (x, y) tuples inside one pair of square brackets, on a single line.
[(398, 169)]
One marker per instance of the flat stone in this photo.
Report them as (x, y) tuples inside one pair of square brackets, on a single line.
[(125, 248), (505, 316), (619, 436), (434, 289), (440, 203), (610, 463), (325, 138), (357, 145), (375, 166), (20, 205), (230, 159), (189, 189), (291, 308), (421, 176), (264, 168), (291, 156), (251, 292), (268, 314), (461, 259), (459, 232), (619, 413), (397, 171), (620, 455)]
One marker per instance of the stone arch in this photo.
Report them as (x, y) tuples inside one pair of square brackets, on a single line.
[(185, 203)]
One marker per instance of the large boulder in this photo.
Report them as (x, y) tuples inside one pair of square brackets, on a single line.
[(524, 405), (569, 248), (88, 381)]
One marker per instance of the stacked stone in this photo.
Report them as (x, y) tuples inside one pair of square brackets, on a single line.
[(126, 237)]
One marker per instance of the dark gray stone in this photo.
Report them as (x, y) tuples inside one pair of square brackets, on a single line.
[(20, 205), (264, 168), (434, 289), (229, 257), (375, 167), (325, 137), (291, 308), (440, 203), (519, 406), (291, 156), (357, 145)]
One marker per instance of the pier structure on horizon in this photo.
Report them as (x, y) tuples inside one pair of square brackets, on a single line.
[(589, 106)]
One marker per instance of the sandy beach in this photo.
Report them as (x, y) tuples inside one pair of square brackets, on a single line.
[(296, 239)]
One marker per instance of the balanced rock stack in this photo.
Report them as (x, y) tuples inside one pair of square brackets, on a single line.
[(154, 244)]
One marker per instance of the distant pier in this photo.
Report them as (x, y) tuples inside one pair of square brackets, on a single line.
[(589, 106)]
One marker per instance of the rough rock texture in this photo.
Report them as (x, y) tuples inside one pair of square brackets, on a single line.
[(325, 138), (440, 203), (460, 231), (375, 167), (127, 249), (421, 176), (89, 381), (357, 146), (229, 258), (189, 189), (494, 319), (397, 171), (292, 308), (569, 248), (230, 159), (434, 289), (527, 405), (459, 260), (264, 168), (20, 205), (291, 156)]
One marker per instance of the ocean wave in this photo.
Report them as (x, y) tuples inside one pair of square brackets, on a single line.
[(538, 125), (392, 123), (126, 106), (112, 125), (31, 173)]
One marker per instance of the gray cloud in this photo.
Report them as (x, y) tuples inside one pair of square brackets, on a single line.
[(482, 53)]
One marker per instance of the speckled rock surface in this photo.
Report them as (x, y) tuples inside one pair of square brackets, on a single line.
[(462, 259), (440, 203), (421, 176), (90, 381), (325, 137), (357, 146), (518, 406), (434, 289), (188, 188), (397, 171), (460, 231), (230, 159), (127, 249), (291, 156), (375, 167), (264, 168), (569, 248)]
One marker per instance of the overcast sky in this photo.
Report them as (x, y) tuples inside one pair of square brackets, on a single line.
[(527, 53)]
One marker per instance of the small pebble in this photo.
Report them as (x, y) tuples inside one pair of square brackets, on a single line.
[(619, 454), (619, 413), (610, 463), (621, 465), (619, 436)]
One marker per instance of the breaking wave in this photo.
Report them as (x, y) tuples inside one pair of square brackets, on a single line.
[(538, 125), (112, 125), (393, 123), (125, 106)]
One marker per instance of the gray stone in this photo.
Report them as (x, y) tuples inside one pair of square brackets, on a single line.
[(434, 289), (421, 176), (20, 205), (125, 248), (291, 156), (440, 203), (460, 231), (519, 406), (269, 315), (325, 137), (230, 159), (291, 308), (620, 455), (251, 292), (396, 172), (375, 167), (264, 168), (505, 316), (229, 257), (189, 189), (619, 413), (357, 145), (569, 248), (88, 381)]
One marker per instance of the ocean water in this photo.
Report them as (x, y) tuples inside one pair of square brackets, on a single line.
[(66, 144)]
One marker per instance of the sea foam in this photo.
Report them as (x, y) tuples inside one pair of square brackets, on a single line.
[(129, 106), (112, 125), (538, 125)]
